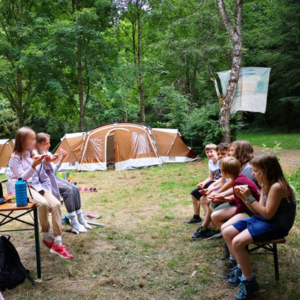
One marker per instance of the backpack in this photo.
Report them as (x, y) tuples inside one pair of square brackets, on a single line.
[(12, 272)]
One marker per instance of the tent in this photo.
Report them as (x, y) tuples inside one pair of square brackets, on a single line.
[(6, 149), (171, 147), (128, 145), (72, 143)]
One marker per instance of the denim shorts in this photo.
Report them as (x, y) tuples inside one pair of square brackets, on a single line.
[(196, 192), (261, 229)]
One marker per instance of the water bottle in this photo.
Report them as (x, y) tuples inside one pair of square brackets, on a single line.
[(21, 193), (10, 187)]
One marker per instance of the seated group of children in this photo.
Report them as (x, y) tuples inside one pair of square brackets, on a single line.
[(32, 162), (246, 199)]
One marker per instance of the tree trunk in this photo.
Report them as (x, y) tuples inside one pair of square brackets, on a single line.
[(140, 71), (20, 95), (80, 86), (235, 34)]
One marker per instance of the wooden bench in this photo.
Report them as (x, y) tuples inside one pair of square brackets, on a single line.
[(8, 212), (271, 247)]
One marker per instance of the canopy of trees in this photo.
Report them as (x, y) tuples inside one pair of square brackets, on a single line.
[(71, 65)]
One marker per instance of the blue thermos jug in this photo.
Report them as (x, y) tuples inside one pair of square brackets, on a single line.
[(21, 193)]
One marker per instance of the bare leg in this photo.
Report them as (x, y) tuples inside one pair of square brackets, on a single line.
[(229, 233), (205, 204), (242, 255), (219, 217), (196, 206), (207, 220)]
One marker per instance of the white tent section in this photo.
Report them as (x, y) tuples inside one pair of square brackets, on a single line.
[(6, 149), (171, 147)]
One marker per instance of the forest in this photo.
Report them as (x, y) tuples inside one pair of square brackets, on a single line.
[(72, 65)]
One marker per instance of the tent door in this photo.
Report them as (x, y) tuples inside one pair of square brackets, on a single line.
[(110, 151)]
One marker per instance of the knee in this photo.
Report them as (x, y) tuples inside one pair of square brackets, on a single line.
[(203, 200), (214, 216), (237, 244), (56, 205)]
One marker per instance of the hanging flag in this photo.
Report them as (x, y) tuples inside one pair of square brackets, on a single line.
[(252, 89)]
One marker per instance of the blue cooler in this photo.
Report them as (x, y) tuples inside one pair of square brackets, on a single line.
[(21, 193)]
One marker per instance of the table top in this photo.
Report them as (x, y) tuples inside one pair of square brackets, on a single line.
[(13, 207)]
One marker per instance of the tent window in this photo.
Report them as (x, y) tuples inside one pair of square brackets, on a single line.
[(140, 143), (96, 149)]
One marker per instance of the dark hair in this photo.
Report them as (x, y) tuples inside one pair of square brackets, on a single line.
[(223, 146), (243, 151), (42, 137), (272, 172)]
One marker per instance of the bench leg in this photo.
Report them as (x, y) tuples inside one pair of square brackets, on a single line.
[(276, 262), (37, 244)]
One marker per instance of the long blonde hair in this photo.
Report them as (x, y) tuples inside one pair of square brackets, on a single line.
[(22, 134), (272, 173)]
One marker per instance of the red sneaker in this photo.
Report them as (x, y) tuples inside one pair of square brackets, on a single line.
[(61, 251), (48, 244)]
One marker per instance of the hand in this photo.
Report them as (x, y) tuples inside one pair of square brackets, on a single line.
[(200, 185), (54, 157), (203, 192), (36, 161), (63, 153), (47, 159), (243, 193)]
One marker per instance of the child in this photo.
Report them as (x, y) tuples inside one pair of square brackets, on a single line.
[(205, 231), (276, 211), (25, 166), (68, 191), (214, 174)]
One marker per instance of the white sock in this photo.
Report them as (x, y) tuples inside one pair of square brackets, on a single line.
[(81, 219), (74, 222), (47, 236), (58, 240), (231, 257)]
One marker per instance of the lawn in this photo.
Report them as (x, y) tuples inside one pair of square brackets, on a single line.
[(287, 141), (145, 250)]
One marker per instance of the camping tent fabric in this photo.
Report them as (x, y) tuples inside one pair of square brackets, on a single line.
[(134, 147), (171, 147), (6, 149), (72, 143)]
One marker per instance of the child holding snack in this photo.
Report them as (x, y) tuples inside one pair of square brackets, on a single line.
[(32, 170), (214, 174), (205, 231), (276, 211), (68, 191)]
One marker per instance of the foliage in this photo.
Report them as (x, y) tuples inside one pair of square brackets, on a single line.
[(275, 149)]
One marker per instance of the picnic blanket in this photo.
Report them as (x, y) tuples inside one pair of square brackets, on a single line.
[(252, 89)]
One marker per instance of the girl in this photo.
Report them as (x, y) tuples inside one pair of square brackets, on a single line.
[(276, 211), (68, 191), (32, 170)]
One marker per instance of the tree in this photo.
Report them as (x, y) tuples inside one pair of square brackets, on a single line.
[(235, 34)]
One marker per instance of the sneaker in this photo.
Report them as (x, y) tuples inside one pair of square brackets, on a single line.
[(212, 234), (61, 251), (226, 274), (48, 244), (226, 253), (200, 233), (234, 276), (247, 289), (193, 220)]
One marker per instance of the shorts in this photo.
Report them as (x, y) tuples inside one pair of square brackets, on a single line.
[(221, 206), (261, 229), (196, 192)]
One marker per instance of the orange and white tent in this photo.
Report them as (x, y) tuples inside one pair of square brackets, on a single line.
[(128, 145), (72, 143), (171, 147), (6, 149)]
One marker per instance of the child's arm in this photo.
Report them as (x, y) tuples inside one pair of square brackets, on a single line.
[(227, 186), (207, 180), (17, 167), (275, 196)]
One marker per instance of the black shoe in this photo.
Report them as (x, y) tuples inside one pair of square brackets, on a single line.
[(200, 233), (232, 264), (193, 220), (226, 253), (212, 234), (235, 276), (247, 289)]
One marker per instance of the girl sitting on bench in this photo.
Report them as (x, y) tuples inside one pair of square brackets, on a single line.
[(31, 169), (276, 211)]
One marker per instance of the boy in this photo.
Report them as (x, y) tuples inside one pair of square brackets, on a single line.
[(214, 174), (205, 231)]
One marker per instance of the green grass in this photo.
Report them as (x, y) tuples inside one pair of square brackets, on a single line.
[(288, 141), (145, 250)]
